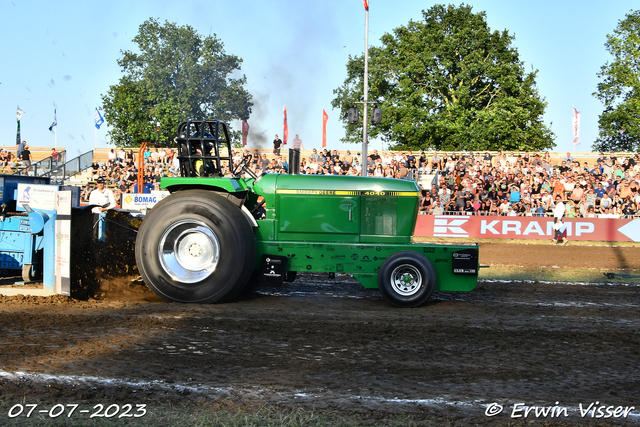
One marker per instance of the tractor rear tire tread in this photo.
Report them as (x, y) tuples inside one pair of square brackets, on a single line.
[(221, 218)]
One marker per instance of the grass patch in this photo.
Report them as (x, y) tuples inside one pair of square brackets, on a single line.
[(190, 416), (186, 416)]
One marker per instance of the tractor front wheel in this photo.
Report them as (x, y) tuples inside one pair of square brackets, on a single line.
[(195, 247), (407, 279)]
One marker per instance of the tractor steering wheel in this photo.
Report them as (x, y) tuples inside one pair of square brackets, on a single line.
[(242, 165)]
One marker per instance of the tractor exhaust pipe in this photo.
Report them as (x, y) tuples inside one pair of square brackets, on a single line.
[(294, 161)]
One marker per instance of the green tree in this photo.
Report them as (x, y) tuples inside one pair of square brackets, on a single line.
[(448, 82), (177, 75), (619, 89)]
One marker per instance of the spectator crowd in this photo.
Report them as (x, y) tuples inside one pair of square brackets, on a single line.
[(527, 185), (511, 184)]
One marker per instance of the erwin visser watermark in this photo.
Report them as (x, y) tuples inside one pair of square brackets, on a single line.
[(586, 410)]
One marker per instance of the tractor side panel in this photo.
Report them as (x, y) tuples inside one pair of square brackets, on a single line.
[(317, 217), (364, 260)]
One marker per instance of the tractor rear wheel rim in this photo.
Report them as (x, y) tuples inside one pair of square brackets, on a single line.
[(406, 280), (189, 251)]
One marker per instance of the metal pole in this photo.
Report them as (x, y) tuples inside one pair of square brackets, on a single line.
[(366, 93)]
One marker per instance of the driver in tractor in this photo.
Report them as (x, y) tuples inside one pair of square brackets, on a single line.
[(198, 163), (202, 166)]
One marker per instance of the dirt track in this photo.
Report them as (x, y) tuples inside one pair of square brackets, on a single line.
[(571, 256), (332, 345)]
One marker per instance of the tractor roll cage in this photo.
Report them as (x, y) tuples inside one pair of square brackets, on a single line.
[(199, 150)]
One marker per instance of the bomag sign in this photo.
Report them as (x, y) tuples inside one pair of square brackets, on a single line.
[(143, 199), (139, 202)]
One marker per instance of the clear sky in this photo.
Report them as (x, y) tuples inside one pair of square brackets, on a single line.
[(60, 54)]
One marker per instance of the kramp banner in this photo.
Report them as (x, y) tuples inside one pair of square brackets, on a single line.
[(533, 228)]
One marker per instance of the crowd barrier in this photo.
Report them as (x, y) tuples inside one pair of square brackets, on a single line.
[(527, 228), (546, 214), (476, 213)]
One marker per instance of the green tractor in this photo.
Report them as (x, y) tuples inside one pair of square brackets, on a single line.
[(214, 236)]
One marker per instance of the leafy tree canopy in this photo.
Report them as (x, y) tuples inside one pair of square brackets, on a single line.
[(619, 89), (177, 75), (448, 82)]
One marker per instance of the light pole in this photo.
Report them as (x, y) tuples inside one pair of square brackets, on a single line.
[(366, 90)]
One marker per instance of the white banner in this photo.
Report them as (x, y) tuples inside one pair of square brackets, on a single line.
[(37, 196), (139, 202), (63, 242)]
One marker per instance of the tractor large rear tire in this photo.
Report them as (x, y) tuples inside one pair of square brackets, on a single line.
[(195, 247)]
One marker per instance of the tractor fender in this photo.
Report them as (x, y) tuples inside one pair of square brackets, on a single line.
[(250, 218), (237, 198)]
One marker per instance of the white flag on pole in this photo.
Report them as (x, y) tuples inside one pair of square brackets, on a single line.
[(576, 126), (98, 119), (55, 121)]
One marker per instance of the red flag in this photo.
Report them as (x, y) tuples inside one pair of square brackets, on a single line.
[(245, 132), (285, 132), (366, 4), (325, 117)]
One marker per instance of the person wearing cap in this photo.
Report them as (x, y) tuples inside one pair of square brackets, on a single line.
[(147, 186), (104, 200), (101, 196)]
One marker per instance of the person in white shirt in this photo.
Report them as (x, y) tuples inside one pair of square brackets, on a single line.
[(313, 165), (504, 207), (357, 167), (175, 167), (237, 158), (558, 214), (103, 199), (101, 196), (385, 159)]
